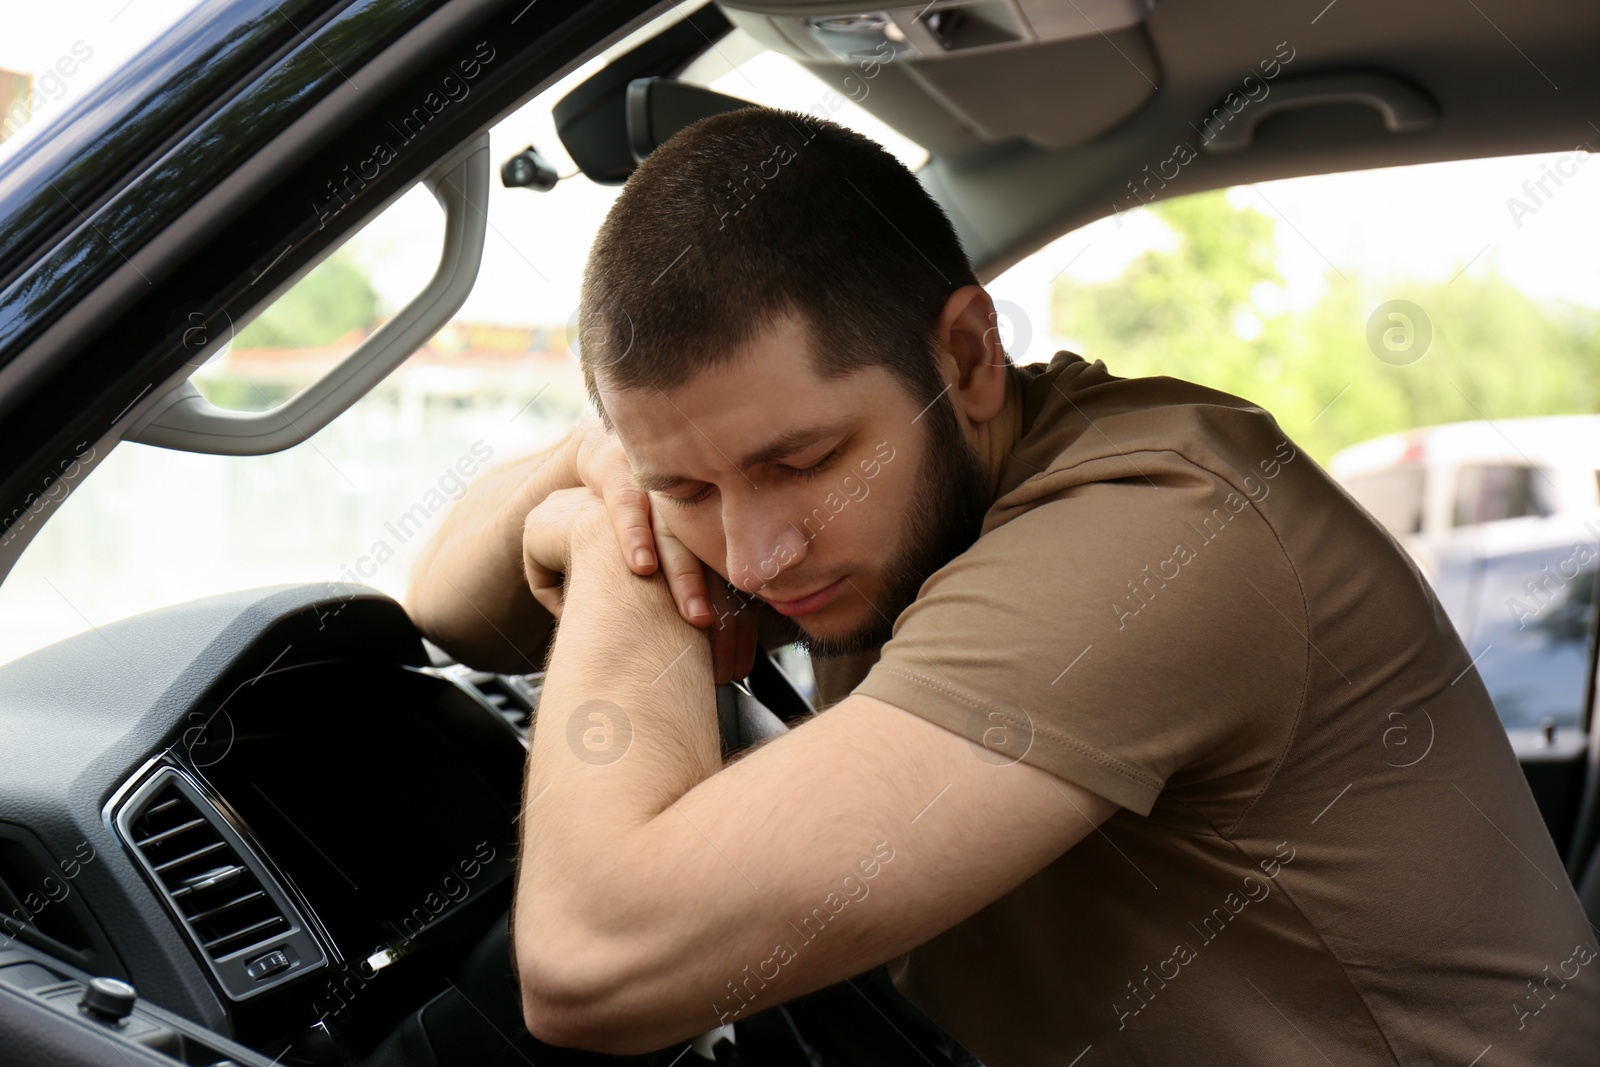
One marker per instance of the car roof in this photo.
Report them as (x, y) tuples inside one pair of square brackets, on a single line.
[(1544, 440)]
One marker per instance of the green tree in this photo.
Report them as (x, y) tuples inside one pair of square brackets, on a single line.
[(1190, 312), (322, 307)]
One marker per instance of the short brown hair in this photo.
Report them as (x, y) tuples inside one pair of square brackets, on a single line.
[(748, 215)]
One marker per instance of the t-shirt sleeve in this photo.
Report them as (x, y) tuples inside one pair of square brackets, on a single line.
[(1122, 635)]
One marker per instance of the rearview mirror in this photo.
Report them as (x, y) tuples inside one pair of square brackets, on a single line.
[(657, 108)]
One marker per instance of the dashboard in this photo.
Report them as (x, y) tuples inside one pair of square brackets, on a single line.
[(265, 828), (341, 817), (297, 829)]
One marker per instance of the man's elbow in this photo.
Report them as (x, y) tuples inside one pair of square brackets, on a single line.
[(556, 1022), (570, 998)]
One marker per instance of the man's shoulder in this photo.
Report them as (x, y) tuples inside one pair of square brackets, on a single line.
[(1084, 425)]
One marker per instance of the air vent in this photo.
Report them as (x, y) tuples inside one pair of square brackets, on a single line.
[(236, 916), (512, 696), (218, 896)]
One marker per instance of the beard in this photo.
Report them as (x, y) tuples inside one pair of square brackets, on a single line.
[(948, 502)]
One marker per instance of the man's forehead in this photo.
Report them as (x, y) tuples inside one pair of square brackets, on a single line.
[(762, 406)]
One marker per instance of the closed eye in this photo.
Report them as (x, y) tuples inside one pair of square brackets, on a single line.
[(690, 501), (816, 468), (798, 472)]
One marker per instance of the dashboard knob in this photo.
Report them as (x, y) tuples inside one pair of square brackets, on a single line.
[(110, 1000)]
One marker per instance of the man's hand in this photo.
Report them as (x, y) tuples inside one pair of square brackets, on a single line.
[(569, 522), (480, 593), (548, 536)]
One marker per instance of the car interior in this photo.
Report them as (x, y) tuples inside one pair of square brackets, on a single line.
[(275, 825)]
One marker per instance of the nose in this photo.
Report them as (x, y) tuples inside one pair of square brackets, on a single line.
[(762, 542)]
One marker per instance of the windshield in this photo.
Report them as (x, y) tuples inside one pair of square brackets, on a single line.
[(357, 501)]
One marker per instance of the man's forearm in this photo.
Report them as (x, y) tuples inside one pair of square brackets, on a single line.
[(622, 645), (468, 592), (627, 724)]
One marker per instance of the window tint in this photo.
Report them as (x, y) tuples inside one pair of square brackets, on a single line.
[(1394, 497)]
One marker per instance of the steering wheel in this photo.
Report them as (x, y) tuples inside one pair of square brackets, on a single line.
[(478, 1020)]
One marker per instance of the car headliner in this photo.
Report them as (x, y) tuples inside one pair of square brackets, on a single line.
[(1507, 78)]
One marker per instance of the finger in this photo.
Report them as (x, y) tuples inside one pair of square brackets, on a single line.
[(604, 467), (629, 508), (549, 598), (543, 581), (685, 575), (590, 433)]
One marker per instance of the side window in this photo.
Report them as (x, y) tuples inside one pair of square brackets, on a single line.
[(357, 501), (321, 319), (353, 502), (1371, 313), (1490, 492)]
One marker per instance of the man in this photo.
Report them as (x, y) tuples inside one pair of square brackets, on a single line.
[(1146, 745)]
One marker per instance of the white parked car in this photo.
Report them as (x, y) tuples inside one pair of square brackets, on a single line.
[(1426, 484), (1504, 519)]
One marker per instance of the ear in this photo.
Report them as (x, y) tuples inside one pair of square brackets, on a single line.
[(971, 355)]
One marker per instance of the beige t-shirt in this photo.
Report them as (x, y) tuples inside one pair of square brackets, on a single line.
[(1327, 852)]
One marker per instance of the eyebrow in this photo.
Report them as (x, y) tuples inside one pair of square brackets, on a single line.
[(781, 446)]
